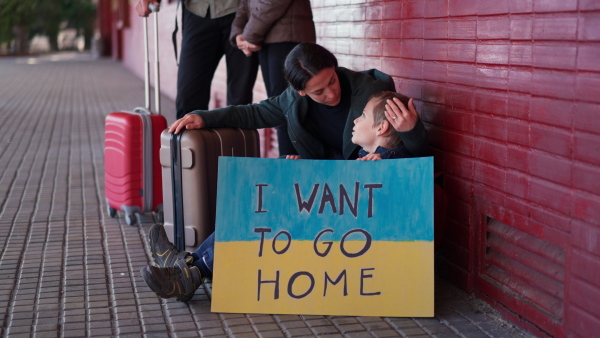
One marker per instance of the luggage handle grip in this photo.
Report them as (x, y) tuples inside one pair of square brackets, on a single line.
[(153, 8)]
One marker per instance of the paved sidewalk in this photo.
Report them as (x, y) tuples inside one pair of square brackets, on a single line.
[(69, 270)]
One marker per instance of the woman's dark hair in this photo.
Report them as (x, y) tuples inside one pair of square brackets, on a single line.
[(305, 61)]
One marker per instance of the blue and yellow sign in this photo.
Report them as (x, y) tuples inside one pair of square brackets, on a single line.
[(324, 237)]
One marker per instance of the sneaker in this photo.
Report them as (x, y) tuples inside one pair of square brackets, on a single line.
[(179, 281), (164, 253)]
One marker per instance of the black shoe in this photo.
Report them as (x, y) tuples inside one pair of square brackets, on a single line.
[(164, 253), (179, 281)]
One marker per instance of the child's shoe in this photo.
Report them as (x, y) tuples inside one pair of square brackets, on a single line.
[(164, 253), (179, 281)]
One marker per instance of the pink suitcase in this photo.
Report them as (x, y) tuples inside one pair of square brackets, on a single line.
[(132, 170)]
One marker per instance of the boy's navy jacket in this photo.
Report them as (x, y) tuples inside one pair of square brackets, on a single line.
[(291, 108), (386, 154)]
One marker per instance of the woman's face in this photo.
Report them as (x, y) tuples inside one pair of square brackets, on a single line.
[(324, 88)]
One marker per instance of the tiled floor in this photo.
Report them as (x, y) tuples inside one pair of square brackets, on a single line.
[(67, 269)]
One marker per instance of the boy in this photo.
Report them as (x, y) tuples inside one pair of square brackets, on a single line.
[(374, 132)]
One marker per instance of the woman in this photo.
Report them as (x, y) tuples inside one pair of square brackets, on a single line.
[(318, 107), (272, 29)]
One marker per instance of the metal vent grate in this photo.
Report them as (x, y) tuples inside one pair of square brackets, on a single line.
[(529, 268)]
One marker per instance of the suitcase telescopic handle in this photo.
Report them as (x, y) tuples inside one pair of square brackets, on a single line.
[(153, 8)]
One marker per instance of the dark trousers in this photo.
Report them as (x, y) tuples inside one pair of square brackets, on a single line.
[(272, 57), (204, 256), (203, 44)]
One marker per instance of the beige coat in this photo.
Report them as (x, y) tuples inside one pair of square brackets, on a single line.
[(218, 8)]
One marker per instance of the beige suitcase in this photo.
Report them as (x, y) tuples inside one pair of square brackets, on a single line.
[(189, 167)]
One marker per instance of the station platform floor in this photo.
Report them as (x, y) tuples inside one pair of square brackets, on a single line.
[(69, 270)]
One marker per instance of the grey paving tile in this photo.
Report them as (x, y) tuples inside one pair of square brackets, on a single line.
[(237, 330), (465, 327), (129, 329), (297, 332), (293, 324), (102, 332), (361, 334), (23, 315), (402, 322), (23, 335), (385, 333), (437, 329), (413, 331), (375, 325), (47, 321), (184, 326), (257, 319), (22, 322), (47, 334), (236, 321), (208, 324), (266, 327), (74, 326), (75, 319), (156, 328), (212, 332), (272, 334), (348, 328), (325, 330), (186, 334), (316, 322), (74, 333)]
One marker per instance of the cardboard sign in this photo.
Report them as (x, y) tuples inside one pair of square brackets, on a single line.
[(324, 237)]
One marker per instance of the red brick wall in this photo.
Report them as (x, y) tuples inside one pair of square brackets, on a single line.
[(510, 92)]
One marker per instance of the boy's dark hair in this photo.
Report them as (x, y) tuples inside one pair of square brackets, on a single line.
[(305, 61), (379, 114)]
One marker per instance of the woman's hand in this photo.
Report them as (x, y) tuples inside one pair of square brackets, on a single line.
[(401, 119), (245, 46), (189, 121), (370, 157), (292, 157)]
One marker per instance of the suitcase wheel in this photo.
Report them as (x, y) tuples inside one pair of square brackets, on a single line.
[(112, 212), (132, 219)]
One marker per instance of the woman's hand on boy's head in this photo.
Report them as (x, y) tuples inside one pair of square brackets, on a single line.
[(189, 121), (370, 157), (401, 118)]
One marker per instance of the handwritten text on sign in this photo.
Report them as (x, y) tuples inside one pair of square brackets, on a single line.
[(324, 237)]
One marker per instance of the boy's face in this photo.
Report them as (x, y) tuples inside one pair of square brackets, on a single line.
[(364, 133)]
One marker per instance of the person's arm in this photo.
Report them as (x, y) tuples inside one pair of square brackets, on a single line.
[(262, 19), (237, 28), (239, 22), (409, 126), (265, 114)]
